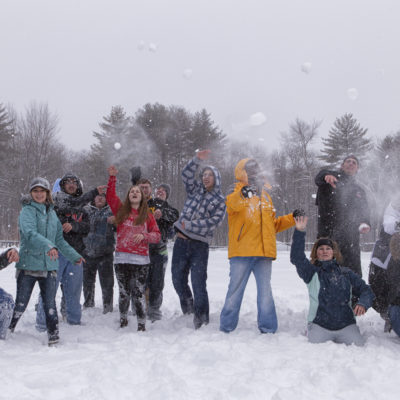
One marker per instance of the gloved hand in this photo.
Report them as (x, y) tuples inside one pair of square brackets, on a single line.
[(135, 174), (249, 191), (298, 212)]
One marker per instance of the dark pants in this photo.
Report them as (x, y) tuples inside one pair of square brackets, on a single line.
[(155, 284), (104, 265), (132, 285), (48, 288), (350, 250), (377, 279), (191, 256)]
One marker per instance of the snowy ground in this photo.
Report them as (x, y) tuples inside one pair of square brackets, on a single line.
[(172, 361)]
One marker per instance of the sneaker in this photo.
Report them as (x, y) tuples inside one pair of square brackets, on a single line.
[(123, 322), (141, 328)]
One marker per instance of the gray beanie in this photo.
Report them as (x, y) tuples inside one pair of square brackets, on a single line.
[(39, 182), (166, 187)]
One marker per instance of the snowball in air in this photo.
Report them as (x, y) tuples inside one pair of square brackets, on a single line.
[(352, 93), (187, 73), (141, 45), (117, 146), (152, 47), (306, 67), (257, 119)]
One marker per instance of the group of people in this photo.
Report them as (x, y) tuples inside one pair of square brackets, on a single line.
[(66, 238)]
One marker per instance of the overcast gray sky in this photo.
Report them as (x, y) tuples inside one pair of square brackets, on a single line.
[(234, 58)]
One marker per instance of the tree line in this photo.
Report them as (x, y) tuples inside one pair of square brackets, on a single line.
[(161, 139)]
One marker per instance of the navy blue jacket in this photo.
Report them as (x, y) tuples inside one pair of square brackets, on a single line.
[(330, 288)]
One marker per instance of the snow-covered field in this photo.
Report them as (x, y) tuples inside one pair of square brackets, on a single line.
[(171, 360)]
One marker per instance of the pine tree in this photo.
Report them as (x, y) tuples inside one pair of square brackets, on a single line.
[(345, 137), (6, 132)]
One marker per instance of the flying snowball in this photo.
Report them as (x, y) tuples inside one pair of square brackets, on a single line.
[(387, 156), (314, 196), (187, 73), (152, 47), (257, 119), (141, 45), (117, 146), (352, 93), (306, 67)]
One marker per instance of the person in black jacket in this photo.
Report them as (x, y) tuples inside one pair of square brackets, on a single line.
[(6, 300), (343, 211), (330, 287), (99, 249), (68, 204), (165, 216)]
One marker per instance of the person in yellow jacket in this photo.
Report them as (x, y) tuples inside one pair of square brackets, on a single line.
[(252, 245)]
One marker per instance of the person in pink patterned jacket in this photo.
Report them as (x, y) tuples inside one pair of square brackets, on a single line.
[(136, 228)]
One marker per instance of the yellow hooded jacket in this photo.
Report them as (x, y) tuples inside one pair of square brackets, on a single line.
[(252, 223)]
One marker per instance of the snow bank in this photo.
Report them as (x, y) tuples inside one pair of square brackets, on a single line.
[(172, 361)]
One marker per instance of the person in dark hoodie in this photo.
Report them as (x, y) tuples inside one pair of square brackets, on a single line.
[(202, 213), (165, 216), (6, 301), (68, 204), (99, 249), (343, 211), (330, 286)]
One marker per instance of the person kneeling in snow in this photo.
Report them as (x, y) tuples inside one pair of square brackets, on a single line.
[(6, 300), (330, 288)]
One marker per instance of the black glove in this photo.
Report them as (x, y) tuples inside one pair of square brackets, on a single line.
[(135, 175), (299, 212), (249, 191)]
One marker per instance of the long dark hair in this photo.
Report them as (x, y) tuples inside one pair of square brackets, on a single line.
[(126, 208)]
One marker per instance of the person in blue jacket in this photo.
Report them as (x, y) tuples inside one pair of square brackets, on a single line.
[(330, 287), (6, 300), (42, 239)]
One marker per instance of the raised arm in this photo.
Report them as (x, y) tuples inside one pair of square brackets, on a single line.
[(111, 196)]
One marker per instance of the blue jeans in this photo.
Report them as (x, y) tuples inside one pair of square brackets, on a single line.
[(71, 277), (394, 315), (48, 288), (6, 312), (240, 269), (191, 256)]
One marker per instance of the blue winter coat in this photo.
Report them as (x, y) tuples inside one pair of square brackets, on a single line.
[(204, 210), (330, 288), (41, 230)]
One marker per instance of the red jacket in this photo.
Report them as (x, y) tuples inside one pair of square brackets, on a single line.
[(127, 229)]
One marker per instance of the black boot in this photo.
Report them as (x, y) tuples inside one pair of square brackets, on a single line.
[(123, 322), (141, 328)]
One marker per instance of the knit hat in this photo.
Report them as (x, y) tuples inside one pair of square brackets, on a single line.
[(324, 242), (166, 187), (353, 157), (39, 182)]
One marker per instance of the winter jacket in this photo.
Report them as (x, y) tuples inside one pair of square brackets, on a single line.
[(330, 288), (165, 222), (127, 229), (3, 259), (203, 210), (40, 230), (252, 221), (100, 240), (69, 208), (341, 210)]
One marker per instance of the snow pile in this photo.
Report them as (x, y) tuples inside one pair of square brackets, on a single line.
[(173, 361)]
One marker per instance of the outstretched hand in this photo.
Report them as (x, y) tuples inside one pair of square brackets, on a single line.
[(112, 170), (359, 310), (301, 223), (331, 180), (203, 154)]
